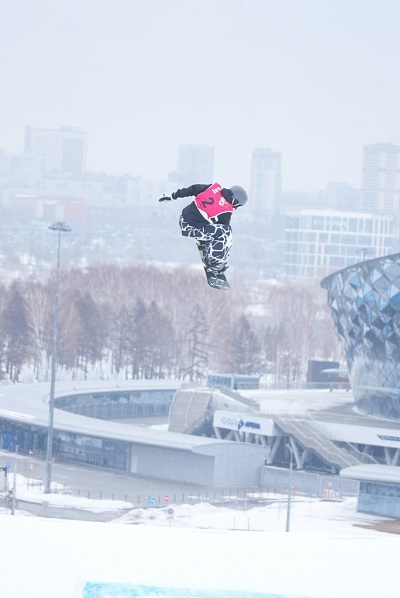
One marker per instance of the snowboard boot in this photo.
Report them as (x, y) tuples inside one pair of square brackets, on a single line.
[(218, 268)]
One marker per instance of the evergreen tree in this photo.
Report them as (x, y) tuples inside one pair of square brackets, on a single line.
[(196, 343), (245, 349)]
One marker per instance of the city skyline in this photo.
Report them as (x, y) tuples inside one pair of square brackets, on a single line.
[(189, 151), (314, 81)]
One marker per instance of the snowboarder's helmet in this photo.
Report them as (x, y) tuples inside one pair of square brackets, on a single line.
[(239, 196)]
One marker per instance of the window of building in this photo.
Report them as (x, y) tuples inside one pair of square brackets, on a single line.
[(317, 223), (353, 225), (379, 498)]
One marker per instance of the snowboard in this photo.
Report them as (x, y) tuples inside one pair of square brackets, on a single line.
[(216, 281)]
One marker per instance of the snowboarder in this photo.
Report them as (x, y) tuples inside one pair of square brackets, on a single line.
[(207, 219)]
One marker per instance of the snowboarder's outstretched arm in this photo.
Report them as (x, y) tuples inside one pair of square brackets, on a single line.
[(191, 191), (194, 190)]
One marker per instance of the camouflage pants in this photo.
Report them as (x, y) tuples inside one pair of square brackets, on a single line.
[(214, 239)]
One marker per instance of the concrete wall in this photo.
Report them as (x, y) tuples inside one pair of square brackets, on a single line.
[(222, 465), (172, 464), (237, 464)]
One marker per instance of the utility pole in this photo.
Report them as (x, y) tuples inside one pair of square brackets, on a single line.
[(59, 227), (289, 498)]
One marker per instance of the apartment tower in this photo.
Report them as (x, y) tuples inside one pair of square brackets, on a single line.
[(62, 150)]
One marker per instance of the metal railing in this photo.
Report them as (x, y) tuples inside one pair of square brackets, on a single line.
[(309, 438)]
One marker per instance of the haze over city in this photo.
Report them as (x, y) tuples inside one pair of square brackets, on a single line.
[(107, 321), (314, 81)]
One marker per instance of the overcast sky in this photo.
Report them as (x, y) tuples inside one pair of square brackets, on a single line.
[(312, 79)]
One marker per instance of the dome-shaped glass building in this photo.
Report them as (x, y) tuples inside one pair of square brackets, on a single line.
[(364, 300)]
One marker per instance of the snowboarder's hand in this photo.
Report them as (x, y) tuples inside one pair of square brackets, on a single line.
[(165, 198)]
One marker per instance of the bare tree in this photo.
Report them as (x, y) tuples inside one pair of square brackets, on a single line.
[(142, 321), (18, 338), (292, 328), (38, 303)]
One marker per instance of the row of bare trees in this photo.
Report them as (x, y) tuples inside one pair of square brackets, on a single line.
[(147, 322)]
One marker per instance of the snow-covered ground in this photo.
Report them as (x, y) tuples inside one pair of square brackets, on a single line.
[(197, 551), (307, 514)]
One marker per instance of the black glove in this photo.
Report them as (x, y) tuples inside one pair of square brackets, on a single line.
[(166, 198)]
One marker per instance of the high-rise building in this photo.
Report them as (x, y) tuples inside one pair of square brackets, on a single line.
[(318, 242), (63, 150), (265, 190), (25, 169), (381, 178), (195, 165)]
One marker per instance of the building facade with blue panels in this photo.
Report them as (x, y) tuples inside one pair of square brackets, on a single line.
[(378, 489), (378, 498), (364, 300)]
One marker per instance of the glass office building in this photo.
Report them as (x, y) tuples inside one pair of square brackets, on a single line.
[(378, 488), (378, 498), (364, 300), (319, 242)]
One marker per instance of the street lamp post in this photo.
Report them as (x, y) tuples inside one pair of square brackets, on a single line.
[(289, 498), (14, 488), (59, 227)]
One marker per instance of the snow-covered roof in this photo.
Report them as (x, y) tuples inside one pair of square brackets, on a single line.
[(373, 473), (28, 403)]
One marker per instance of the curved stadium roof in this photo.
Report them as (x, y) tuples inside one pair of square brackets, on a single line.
[(29, 404)]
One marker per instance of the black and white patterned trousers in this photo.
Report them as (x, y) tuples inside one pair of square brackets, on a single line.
[(215, 239)]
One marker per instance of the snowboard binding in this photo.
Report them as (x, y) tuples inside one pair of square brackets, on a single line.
[(216, 279)]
